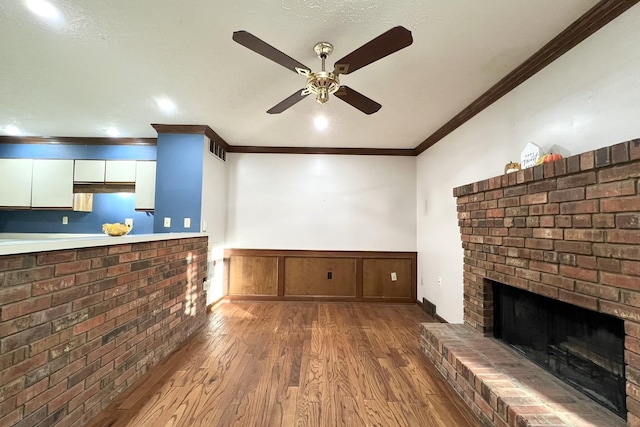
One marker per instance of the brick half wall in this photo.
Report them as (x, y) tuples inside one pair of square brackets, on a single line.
[(568, 230), (80, 326)]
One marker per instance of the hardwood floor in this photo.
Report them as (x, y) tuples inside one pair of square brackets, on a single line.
[(296, 364)]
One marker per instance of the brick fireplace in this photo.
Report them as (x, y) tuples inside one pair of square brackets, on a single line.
[(567, 230)]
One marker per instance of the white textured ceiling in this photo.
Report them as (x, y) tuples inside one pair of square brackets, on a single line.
[(106, 64)]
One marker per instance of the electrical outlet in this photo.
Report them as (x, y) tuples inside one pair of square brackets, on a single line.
[(439, 281), (65, 220), (187, 222), (422, 281), (394, 276), (128, 221), (167, 222), (204, 225)]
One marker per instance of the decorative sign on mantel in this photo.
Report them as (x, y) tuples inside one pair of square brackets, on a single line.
[(529, 155)]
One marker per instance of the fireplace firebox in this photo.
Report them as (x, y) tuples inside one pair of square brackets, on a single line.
[(582, 347)]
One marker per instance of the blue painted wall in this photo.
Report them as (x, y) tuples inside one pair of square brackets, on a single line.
[(106, 207), (109, 207), (178, 181)]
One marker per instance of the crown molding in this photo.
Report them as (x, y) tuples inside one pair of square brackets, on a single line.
[(195, 129), (594, 19), (323, 150), (75, 140)]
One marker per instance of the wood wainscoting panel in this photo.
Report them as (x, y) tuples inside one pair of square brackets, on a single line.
[(302, 275), (377, 280), (253, 275), (310, 277)]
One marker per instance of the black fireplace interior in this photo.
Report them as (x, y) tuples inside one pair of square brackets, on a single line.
[(583, 348)]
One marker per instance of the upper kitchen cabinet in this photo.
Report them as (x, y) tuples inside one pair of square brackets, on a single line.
[(145, 185), (120, 171), (15, 182), (52, 185), (89, 171)]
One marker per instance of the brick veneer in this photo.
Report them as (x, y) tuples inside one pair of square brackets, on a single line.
[(80, 326), (568, 230)]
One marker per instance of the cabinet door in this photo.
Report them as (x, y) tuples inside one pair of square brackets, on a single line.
[(52, 185), (120, 171), (15, 182), (145, 185), (88, 171)]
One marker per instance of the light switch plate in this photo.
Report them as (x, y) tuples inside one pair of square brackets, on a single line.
[(129, 222), (65, 220), (167, 222), (394, 276), (187, 222)]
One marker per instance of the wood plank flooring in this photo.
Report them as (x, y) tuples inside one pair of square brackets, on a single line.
[(296, 364)]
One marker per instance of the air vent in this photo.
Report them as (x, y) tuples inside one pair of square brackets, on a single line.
[(217, 150)]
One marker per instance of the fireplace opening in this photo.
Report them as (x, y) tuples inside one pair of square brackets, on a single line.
[(582, 347)]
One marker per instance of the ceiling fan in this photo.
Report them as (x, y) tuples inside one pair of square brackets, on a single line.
[(324, 83)]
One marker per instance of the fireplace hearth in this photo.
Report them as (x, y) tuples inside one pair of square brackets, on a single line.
[(582, 347)]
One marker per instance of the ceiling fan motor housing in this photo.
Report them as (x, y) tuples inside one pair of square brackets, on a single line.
[(322, 84)]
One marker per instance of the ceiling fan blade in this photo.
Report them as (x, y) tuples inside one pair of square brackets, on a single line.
[(289, 102), (385, 44), (357, 100), (250, 41)]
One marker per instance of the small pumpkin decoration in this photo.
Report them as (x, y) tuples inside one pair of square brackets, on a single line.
[(511, 167), (548, 158), (551, 157)]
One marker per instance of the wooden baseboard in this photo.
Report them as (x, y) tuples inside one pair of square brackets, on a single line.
[(214, 304), (316, 299)]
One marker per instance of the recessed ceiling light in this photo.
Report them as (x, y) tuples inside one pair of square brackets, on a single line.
[(113, 131), (166, 105), (320, 122), (11, 130), (44, 9)]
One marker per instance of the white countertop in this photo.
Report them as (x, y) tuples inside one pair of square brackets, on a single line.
[(20, 243)]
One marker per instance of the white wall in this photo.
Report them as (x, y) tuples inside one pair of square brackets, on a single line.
[(322, 202), (589, 98), (214, 217)]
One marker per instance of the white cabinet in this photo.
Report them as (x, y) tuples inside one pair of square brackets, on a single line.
[(89, 171), (52, 185), (145, 185), (15, 182), (120, 171)]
